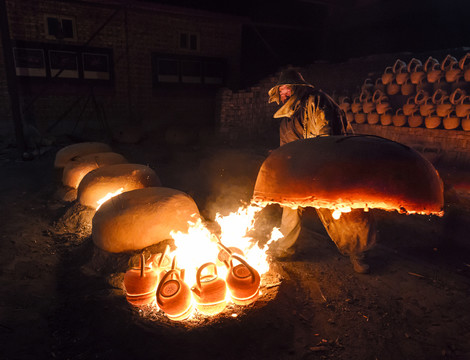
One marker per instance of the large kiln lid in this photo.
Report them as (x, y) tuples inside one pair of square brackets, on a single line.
[(356, 171)]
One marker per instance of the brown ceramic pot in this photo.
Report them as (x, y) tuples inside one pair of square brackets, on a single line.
[(356, 106), (140, 284), (432, 121), (433, 70), (465, 122), (209, 291), (388, 75), (386, 118), (174, 296), (451, 121), (399, 119), (243, 281), (410, 107), (373, 118), (415, 120)]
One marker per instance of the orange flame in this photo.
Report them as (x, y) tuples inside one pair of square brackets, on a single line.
[(108, 196)]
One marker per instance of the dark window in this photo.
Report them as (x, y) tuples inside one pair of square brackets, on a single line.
[(189, 41), (67, 28), (188, 69), (191, 71), (193, 42), (183, 41), (167, 70), (53, 26), (60, 27)]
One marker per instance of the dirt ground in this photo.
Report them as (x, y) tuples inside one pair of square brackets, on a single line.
[(413, 305)]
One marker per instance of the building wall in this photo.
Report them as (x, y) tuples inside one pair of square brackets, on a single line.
[(133, 34)]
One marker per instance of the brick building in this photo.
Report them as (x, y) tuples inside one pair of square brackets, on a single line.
[(92, 68)]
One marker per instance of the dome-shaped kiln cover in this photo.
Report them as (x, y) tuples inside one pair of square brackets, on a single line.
[(356, 171)]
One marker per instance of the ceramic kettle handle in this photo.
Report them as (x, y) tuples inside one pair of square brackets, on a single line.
[(239, 258), (199, 272)]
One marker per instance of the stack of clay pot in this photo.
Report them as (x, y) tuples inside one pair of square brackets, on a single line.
[(431, 95)]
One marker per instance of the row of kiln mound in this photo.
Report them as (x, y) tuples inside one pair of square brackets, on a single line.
[(137, 212)]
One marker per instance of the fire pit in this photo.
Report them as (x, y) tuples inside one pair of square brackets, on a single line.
[(202, 283)]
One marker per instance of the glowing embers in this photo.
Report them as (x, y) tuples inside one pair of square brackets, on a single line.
[(99, 182), (339, 172)]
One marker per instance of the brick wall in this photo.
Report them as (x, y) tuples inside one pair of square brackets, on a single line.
[(148, 28)]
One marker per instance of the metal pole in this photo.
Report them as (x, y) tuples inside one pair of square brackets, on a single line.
[(10, 71)]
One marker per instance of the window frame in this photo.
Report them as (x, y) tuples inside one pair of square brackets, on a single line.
[(60, 18)]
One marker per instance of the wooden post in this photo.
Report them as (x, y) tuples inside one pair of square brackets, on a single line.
[(10, 71)]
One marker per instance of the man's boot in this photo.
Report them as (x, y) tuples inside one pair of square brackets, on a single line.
[(359, 265)]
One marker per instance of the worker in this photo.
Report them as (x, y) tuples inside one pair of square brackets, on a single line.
[(307, 112)]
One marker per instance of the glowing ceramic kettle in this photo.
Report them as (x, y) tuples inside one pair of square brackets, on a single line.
[(140, 284), (243, 281), (210, 291), (174, 296)]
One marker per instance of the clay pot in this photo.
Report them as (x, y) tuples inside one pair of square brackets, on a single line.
[(432, 121), (415, 120), (433, 70), (421, 97), (209, 291), (416, 70), (140, 284), (386, 118), (368, 105), (360, 118), (379, 85), (462, 109), (410, 107), (350, 117), (356, 106), (427, 107), (174, 296), (388, 75), (399, 119), (464, 65), (454, 73), (466, 123), (450, 66), (399, 66), (457, 96), (464, 62), (345, 104), (243, 282), (382, 104), (367, 85), (451, 121), (373, 118), (393, 88), (407, 88), (442, 102)]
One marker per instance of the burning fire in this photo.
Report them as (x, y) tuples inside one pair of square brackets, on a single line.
[(108, 196), (199, 246), (337, 212)]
